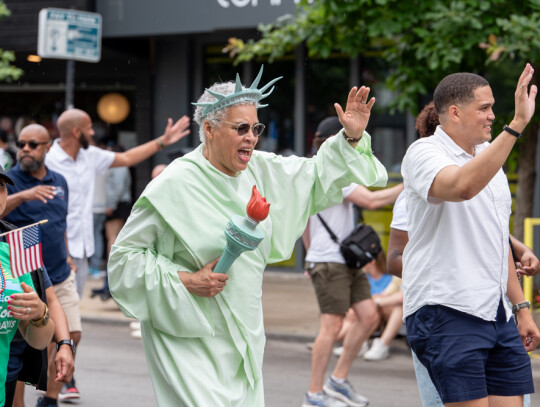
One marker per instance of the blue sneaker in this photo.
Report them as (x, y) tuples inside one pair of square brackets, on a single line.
[(42, 403), (95, 273), (345, 392), (322, 400)]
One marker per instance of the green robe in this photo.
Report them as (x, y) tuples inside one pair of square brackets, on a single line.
[(209, 351)]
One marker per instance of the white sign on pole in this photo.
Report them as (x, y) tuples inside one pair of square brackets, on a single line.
[(69, 34)]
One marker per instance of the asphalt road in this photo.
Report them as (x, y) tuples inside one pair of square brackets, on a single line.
[(111, 371)]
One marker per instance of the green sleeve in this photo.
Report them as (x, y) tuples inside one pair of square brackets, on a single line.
[(297, 187)]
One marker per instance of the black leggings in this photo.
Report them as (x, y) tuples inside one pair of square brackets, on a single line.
[(10, 392)]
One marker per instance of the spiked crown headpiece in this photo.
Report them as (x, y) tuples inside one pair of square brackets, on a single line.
[(239, 95)]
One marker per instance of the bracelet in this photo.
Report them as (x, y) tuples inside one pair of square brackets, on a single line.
[(160, 143), (511, 131), (43, 320), (351, 139)]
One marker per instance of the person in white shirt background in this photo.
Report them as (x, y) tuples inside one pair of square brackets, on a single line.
[(324, 258)]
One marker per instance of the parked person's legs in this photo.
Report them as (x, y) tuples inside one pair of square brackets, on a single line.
[(112, 229), (391, 316), (66, 291), (96, 261), (81, 274), (360, 330), (322, 349)]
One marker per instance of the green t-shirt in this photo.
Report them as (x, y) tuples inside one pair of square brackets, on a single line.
[(8, 324)]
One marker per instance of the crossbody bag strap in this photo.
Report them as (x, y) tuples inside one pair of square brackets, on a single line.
[(332, 235)]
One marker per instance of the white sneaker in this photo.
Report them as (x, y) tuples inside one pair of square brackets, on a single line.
[(135, 325), (322, 400), (136, 333), (339, 350), (378, 351), (345, 393)]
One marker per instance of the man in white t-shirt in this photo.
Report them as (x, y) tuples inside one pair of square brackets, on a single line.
[(79, 162), (529, 265), (339, 288), (456, 267)]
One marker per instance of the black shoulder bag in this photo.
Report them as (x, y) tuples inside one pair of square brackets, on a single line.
[(360, 247)]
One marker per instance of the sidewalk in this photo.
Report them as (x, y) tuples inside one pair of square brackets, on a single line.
[(289, 306)]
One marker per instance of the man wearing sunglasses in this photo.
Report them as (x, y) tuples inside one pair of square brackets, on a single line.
[(78, 162)]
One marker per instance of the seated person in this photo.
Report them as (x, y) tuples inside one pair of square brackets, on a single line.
[(387, 294)]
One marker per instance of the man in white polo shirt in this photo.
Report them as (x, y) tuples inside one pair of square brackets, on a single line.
[(72, 156), (456, 267)]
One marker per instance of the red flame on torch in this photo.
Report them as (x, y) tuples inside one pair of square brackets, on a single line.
[(257, 207)]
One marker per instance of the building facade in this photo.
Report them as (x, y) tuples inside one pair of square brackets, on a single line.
[(161, 54)]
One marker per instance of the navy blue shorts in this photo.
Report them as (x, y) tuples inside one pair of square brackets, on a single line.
[(467, 357)]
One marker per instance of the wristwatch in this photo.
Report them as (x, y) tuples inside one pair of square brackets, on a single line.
[(43, 320), (511, 131), (517, 307), (66, 342)]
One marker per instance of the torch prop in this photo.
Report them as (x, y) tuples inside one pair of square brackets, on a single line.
[(243, 233)]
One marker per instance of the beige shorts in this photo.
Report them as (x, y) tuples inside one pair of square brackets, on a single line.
[(69, 300)]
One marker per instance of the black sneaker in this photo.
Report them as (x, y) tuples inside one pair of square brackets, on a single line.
[(42, 403), (69, 391)]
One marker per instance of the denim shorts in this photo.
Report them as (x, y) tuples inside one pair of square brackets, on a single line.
[(467, 357)]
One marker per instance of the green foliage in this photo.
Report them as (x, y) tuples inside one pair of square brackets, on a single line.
[(8, 72), (422, 40), (4, 11)]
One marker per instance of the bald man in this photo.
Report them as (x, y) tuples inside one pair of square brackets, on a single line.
[(39, 193), (79, 162)]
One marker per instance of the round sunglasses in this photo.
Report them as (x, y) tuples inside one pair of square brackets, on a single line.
[(243, 128)]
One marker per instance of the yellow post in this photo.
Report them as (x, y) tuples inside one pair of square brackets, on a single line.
[(528, 240), (528, 228)]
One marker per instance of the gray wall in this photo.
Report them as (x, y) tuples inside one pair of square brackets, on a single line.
[(124, 18)]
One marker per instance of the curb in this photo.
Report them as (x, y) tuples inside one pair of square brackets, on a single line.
[(275, 336)]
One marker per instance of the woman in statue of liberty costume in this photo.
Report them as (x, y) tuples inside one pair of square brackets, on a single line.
[(203, 332)]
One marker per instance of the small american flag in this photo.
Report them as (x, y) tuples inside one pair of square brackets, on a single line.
[(25, 250)]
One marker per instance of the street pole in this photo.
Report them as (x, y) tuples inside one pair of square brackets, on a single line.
[(70, 83)]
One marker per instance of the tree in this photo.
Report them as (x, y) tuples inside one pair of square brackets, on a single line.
[(8, 72), (424, 41)]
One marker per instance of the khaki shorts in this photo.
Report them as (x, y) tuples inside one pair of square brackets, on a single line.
[(69, 300), (337, 286)]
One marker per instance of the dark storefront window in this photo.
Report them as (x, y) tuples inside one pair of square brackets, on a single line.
[(327, 82), (279, 115), (44, 107)]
